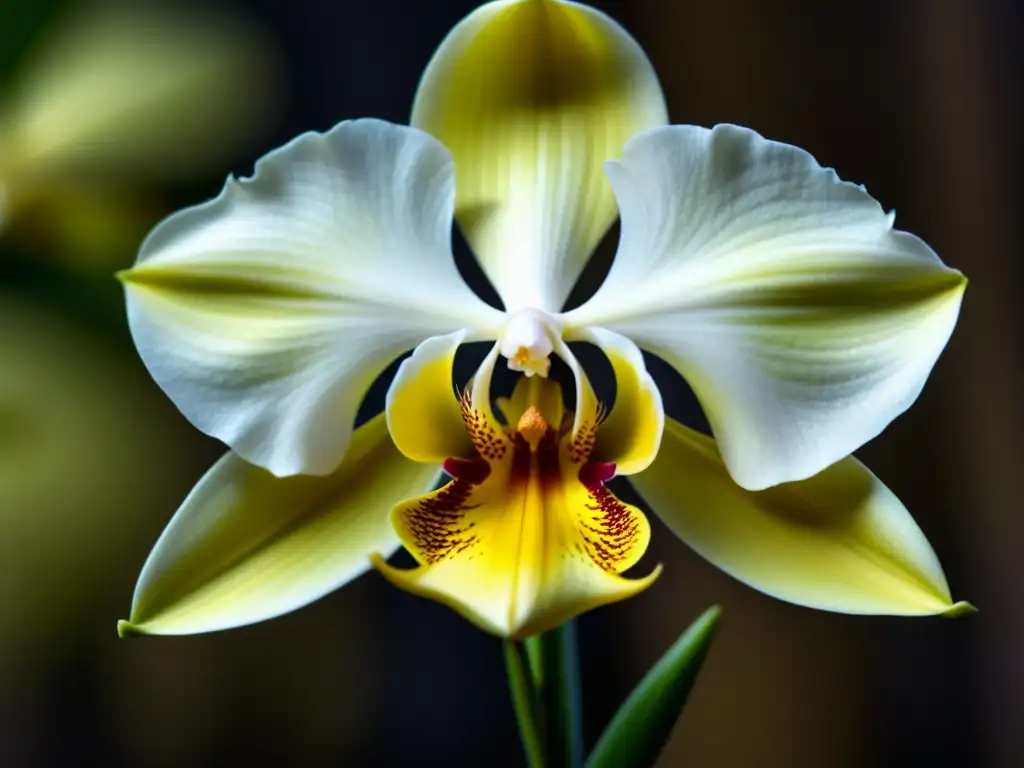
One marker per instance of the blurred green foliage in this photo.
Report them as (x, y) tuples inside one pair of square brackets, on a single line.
[(93, 459), (22, 23), (90, 299)]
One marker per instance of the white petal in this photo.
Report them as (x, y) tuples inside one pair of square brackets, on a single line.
[(531, 97), (247, 546), (265, 314), (804, 322)]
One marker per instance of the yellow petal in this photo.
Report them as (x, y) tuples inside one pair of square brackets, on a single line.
[(629, 437), (840, 541), (531, 97), (247, 546), (423, 411)]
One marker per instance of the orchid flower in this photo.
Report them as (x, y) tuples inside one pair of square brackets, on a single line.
[(804, 322)]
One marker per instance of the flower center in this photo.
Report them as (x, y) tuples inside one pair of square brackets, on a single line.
[(526, 535), (527, 341)]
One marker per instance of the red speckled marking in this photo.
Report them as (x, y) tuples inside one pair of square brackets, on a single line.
[(581, 445), (611, 533), (437, 523), (489, 443)]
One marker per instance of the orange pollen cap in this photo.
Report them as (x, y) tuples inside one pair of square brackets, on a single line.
[(532, 426)]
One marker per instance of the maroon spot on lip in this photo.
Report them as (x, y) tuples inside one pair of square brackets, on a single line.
[(472, 471), (595, 473)]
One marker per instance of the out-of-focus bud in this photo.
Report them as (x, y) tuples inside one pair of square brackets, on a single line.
[(91, 460), (123, 95)]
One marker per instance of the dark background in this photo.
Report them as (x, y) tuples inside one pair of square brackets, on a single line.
[(920, 101)]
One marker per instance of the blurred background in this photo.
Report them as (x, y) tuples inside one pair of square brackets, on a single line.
[(113, 115)]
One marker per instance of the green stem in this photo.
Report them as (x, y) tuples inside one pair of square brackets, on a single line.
[(555, 670), (525, 702)]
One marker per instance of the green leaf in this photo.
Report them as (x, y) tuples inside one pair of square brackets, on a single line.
[(638, 732)]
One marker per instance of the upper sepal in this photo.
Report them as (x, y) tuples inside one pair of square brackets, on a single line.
[(531, 97)]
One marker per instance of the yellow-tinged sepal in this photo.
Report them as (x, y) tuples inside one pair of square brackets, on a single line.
[(839, 541), (126, 629), (959, 610), (247, 546), (531, 98)]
